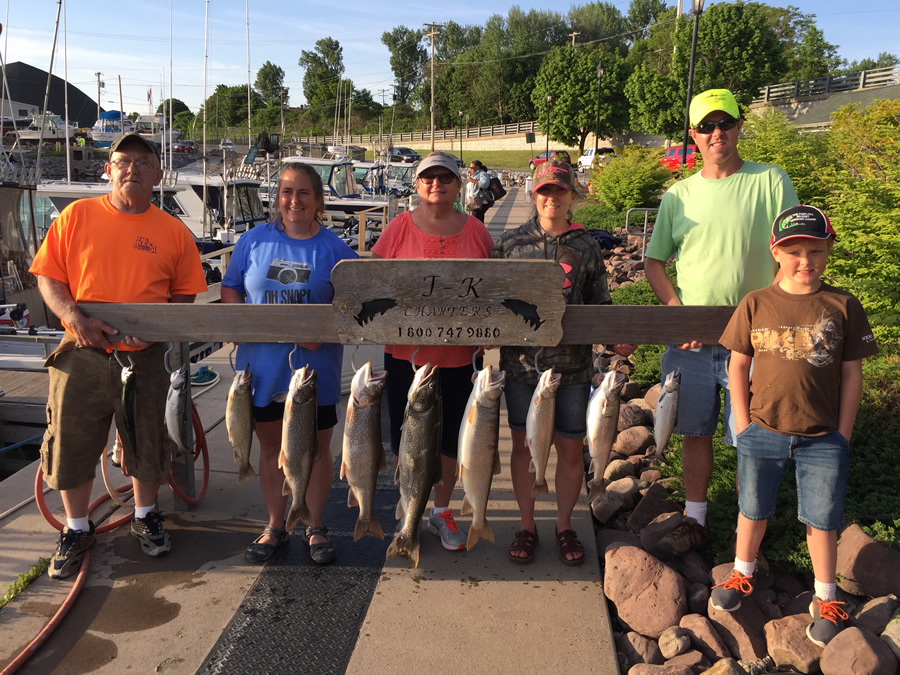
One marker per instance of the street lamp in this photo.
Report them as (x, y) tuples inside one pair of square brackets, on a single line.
[(597, 128), (696, 10), (549, 98), (458, 125)]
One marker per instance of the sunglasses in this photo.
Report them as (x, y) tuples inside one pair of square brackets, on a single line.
[(709, 127), (442, 178)]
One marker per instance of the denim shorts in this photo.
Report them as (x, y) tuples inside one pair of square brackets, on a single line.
[(704, 374), (571, 407), (822, 465)]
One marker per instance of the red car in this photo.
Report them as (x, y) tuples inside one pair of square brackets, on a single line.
[(672, 159), (558, 155)]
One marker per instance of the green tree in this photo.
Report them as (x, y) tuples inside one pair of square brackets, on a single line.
[(814, 57), (184, 122), (599, 21), (884, 60), (270, 84), (177, 107), (642, 13), (324, 67), (570, 77), (455, 39), (227, 107), (408, 59)]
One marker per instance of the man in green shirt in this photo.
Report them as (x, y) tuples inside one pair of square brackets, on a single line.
[(717, 224)]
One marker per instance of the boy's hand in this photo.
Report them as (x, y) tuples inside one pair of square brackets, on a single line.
[(693, 344)]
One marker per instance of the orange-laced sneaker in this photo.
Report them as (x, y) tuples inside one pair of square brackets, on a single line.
[(727, 595), (828, 621)]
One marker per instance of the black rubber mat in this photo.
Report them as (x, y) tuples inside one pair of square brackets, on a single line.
[(302, 618)]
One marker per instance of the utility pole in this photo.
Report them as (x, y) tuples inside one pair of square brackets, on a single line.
[(431, 34), (572, 35), (382, 92), (99, 86)]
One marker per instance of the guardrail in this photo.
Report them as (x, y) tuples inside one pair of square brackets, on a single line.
[(830, 84), (439, 134)]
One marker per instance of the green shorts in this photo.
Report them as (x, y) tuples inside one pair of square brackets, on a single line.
[(85, 396)]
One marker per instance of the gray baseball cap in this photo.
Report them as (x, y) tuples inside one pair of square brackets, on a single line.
[(128, 139)]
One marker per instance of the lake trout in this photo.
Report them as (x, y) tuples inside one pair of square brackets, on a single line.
[(479, 457), (419, 464), (176, 408), (539, 425), (129, 404), (363, 454), (239, 422), (666, 413), (299, 444), (602, 428)]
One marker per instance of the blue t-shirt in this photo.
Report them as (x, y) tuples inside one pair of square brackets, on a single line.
[(270, 268)]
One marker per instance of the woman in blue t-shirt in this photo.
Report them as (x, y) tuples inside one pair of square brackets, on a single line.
[(289, 261)]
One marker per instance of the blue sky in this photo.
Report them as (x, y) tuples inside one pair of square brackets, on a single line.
[(132, 39)]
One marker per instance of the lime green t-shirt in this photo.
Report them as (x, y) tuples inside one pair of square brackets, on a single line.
[(719, 231)]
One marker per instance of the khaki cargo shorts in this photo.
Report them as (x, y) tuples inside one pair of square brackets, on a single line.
[(85, 396)]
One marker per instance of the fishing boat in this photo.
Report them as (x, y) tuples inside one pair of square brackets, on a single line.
[(111, 125), (48, 127), (153, 128)]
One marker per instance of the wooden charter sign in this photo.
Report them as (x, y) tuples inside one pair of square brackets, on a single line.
[(459, 302)]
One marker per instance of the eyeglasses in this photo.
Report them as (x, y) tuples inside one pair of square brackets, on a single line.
[(708, 127), (442, 178), (138, 164)]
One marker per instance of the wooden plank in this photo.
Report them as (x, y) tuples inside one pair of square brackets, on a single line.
[(442, 302), (607, 324)]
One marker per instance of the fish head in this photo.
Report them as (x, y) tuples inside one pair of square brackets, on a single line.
[(425, 389), (241, 380), (127, 373), (549, 383), (489, 385), (366, 387), (303, 385), (673, 382), (613, 383), (178, 378)]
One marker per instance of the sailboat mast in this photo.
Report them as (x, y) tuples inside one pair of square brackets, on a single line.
[(205, 157), (66, 95), (249, 128), (43, 118)]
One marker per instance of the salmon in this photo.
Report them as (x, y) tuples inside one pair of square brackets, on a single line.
[(666, 414), (602, 428), (239, 422), (539, 425), (299, 444)]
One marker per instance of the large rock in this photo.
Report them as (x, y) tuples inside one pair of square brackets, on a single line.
[(639, 649), (651, 475), (693, 567), (789, 646), (704, 637), (649, 596), (647, 669), (692, 659), (865, 567), (633, 441), (875, 614), (674, 641), (891, 635), (799, 605), (607, 505), (631, 390), (856, 651), (658, 528), (742, 630), (698, 596), (618, 468), (726, 667), (652, 396), (655, 502), (628, 487), (631, 416), (606, 536)]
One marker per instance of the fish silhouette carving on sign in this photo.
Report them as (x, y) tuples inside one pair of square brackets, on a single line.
[(525, 310), (372, 308)]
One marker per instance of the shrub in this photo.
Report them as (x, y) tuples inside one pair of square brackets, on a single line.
[(635, 180), (596, 216)]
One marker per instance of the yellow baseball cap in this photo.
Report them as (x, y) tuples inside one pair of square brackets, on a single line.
[(712, 100)]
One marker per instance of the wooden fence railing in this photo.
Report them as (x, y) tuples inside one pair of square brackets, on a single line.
[(439, 134), (864, 79)]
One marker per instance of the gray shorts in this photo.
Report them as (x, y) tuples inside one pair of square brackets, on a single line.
[(570, 419), (85, 396)]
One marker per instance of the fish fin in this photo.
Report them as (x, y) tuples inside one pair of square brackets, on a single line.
[(532, 466), (497, 463), (413, 554), (401, 511), (286, 489), (297, 514), (476, 533), (397, 474), (397, 547), (351, 498), (364, 527), (280, 458), (343, 470), (541, 488), (280, 397), (237, 457), (245, 472), (466, 507)]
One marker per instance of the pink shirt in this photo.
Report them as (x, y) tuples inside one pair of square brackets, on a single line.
[(403, 239)]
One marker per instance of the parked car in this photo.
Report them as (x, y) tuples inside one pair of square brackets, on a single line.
[(408, 155), (184, 146), (672, 159), (226, 144), (604, 153), (558, 155)]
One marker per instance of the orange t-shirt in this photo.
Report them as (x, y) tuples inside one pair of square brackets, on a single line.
[(402, 239), (104, 255)]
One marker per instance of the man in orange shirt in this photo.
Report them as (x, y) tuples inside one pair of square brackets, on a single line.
[(116, 248)]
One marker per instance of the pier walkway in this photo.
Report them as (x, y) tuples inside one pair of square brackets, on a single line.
[(203, 609)]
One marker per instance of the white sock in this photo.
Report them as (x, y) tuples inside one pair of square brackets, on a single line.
[(142, 511), (75, 524), (825, 592), (745, 568), (697, 511), (438, 510)]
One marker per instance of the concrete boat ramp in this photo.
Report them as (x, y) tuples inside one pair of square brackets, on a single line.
[(203, 609)]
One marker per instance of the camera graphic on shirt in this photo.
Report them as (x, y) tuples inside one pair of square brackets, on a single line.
[(287, 272)]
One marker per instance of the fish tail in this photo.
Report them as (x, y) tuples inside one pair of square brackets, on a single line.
[(595, 489), (245, 472), (370, 526), (297, 513), (540, 488), (477, 532), (404, 545), (466, 506)]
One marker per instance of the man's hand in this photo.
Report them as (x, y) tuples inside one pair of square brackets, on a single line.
[(89, 332), (624, 350), (311, 346), (693, 344)]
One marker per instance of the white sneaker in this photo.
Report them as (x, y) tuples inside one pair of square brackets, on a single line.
[(443, 526)]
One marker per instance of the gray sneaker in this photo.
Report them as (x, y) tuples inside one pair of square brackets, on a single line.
[(155, 541), (828, 621), (727, 596), (443, 526), (69, 551)]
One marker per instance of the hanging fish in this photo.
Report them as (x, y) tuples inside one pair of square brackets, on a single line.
[(176, 409), (129, 402)]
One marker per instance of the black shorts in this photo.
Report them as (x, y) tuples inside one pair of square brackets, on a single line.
[(326, 415), (456, 385)]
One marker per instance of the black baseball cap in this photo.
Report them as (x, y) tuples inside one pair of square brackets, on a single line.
[(134, 138), (806, 222)]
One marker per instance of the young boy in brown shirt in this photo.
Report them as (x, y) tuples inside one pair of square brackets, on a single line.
[(806, 341)]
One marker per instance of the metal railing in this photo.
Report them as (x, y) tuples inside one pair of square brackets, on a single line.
[(412, 136), (830, 84), (643, 234)]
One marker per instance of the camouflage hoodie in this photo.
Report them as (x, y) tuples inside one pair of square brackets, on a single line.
[(582, 260)]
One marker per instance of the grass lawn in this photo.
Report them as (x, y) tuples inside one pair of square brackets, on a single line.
[(493, 159)]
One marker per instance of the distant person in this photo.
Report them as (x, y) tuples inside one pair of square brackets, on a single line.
[(434, 229), (116, 248), (298, 243), (806, 341), (477, 181), (717, 224)]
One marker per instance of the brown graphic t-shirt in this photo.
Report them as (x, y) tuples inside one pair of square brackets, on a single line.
[(798, 343)]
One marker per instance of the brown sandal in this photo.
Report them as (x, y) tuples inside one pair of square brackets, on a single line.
[(524, 542), (568, 543)]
